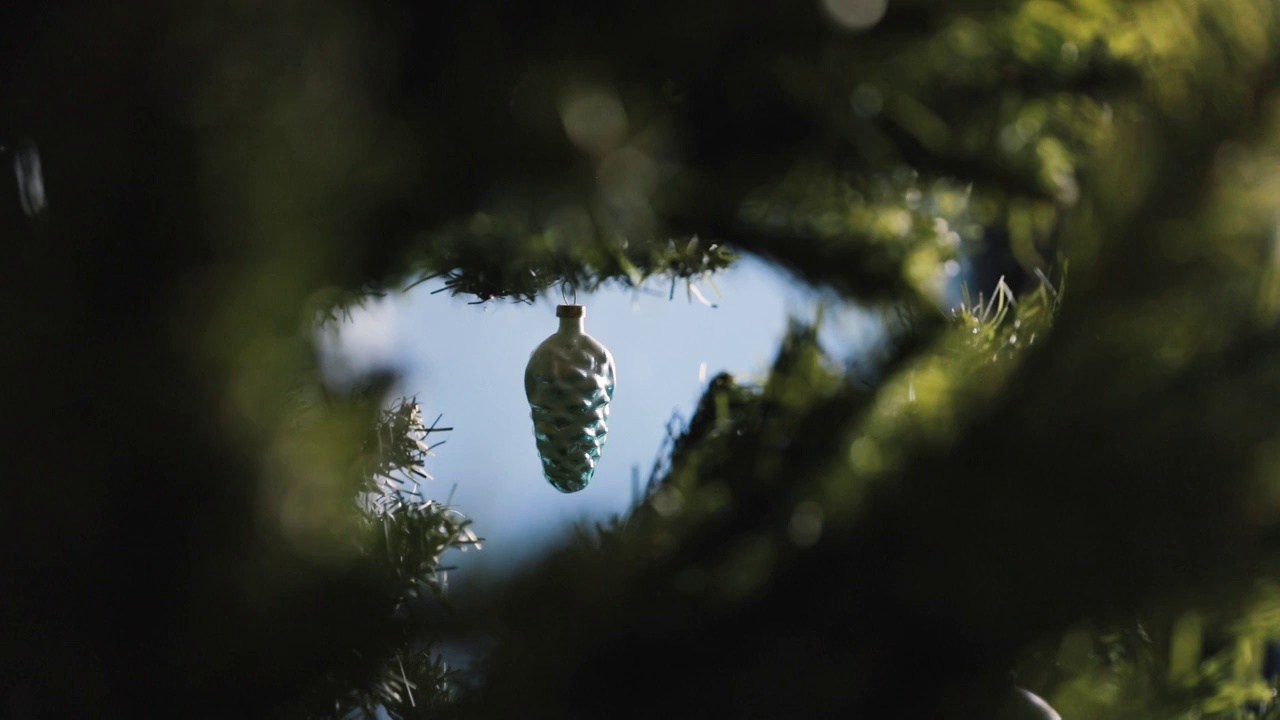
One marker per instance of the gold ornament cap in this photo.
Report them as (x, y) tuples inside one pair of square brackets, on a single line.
[(571, 311)]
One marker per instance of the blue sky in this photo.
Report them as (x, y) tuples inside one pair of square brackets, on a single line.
[(467, 363)]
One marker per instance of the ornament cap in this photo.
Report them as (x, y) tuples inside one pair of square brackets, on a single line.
[(571, 311)]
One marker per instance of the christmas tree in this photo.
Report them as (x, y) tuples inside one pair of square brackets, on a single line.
[(1065, 485)]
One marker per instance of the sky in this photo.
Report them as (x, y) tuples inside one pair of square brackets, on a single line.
[(466, 363)]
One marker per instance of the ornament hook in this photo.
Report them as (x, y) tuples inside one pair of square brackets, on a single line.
[(572, 292)]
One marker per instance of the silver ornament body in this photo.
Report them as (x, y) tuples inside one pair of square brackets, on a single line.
[(569, 382)]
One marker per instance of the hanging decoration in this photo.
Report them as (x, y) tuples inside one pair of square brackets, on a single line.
[(569, 382)]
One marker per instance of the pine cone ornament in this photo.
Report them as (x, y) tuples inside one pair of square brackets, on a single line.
[(569, 382)]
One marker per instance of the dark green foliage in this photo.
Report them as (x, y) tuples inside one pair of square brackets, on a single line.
[(1079, 488), (406, 534)]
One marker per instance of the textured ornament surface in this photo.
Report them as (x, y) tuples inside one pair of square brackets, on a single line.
[(569, 382)]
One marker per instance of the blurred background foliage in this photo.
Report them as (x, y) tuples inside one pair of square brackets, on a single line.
[(1076, 492)]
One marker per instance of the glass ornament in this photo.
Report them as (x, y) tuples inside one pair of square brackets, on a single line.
[(26, 170), (1025, 705), (569, 382)]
